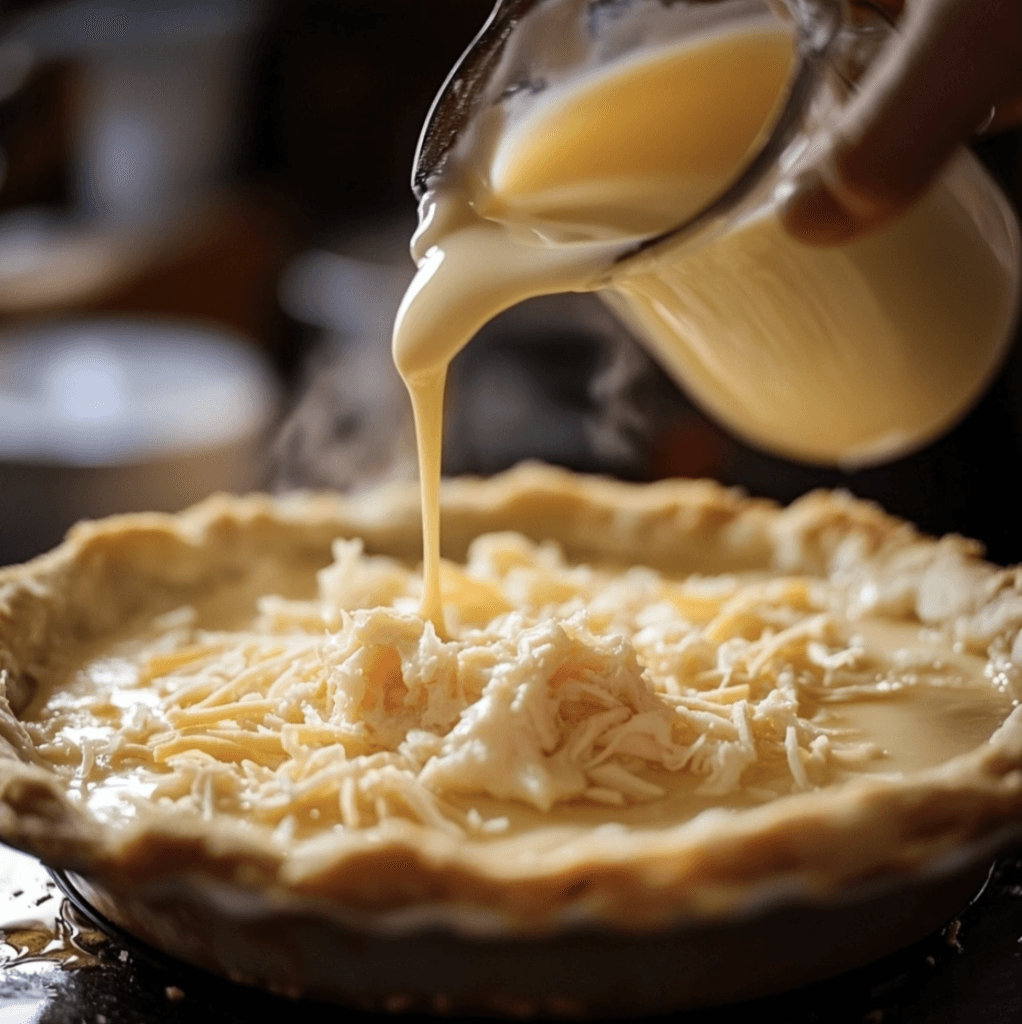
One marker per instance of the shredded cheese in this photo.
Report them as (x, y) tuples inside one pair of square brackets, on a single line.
[(560, 684)]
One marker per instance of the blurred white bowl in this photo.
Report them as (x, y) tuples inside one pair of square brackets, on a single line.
[(117, 415)]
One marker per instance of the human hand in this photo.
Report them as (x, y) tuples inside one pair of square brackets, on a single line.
[(935, 83)]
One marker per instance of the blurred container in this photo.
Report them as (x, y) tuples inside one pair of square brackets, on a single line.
[(105, 416)]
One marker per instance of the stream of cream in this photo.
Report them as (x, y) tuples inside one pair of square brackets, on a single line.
[(531, 227)]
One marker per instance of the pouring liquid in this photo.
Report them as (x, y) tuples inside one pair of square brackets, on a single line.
[(838, 355)]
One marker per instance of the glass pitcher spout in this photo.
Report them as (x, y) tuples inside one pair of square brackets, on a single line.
[(458, 99)]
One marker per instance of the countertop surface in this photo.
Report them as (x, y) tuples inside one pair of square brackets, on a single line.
[(56, 970)]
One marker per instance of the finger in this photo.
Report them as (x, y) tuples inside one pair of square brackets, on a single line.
[(927, 93)]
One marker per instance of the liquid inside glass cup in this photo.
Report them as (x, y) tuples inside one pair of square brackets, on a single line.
[(647, 149)]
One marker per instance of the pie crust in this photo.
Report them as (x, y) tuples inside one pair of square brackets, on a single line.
[(875, 834)]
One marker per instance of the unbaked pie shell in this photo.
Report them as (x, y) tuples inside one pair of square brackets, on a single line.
[(832, 848)]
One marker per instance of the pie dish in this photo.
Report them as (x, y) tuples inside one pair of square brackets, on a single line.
[(682, 746)]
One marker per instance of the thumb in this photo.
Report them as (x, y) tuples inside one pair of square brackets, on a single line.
[(934, 83)]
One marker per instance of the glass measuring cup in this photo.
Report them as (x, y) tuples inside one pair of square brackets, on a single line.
[(850, 355)]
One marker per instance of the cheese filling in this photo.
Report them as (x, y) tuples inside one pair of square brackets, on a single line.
[(597, 692)]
